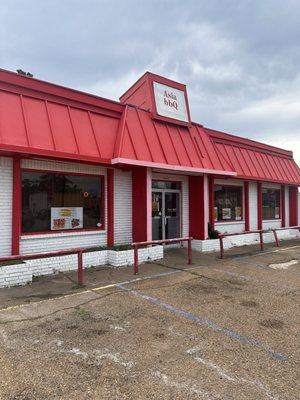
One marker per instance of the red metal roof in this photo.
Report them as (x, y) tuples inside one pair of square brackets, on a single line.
[(33, 125), (39, 118), (253, 160), (145, 141)]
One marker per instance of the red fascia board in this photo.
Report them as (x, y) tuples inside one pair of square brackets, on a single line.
[(171, 167), (37, 85), (223, 137), (30, 151)]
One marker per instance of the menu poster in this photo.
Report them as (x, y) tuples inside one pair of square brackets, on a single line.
[(216, 213), (66, 218), (277, 212), (238, 213), (226, 213)]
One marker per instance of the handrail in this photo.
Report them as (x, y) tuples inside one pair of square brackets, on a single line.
[(136, 245), (56, 253), (223, 235), (274, 230)]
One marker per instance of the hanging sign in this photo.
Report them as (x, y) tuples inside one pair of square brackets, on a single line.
[(170, 102), (66, 218)]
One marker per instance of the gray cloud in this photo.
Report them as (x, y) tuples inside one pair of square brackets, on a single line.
[(239, 59)]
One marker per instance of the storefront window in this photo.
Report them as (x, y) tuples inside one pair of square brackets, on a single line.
[(53, 202), (165, 185), (270, 203), (228, 203)]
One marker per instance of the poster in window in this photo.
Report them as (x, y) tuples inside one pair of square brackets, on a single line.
[(277, 214), (216, 213), (226, 213), (66, 218), (238, 213)]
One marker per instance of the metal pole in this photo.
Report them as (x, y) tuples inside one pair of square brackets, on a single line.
[(136, 259), (221, 247), (276, 237), (261, 240), (80, 269), (190, 252)]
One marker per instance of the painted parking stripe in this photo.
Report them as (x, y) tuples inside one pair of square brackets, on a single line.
[(205, 322)]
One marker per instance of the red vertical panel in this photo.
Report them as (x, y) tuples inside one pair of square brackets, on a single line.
[(282, 205), (196, 207), (247, 214), (139, 204), (211, 202), (259, 205), (293, 202), (110, 207), (16, 211)]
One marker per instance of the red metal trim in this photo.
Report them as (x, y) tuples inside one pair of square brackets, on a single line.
[(222, 236), (196, 207), (40, 87), (136, 245), (274, 230), (282, 200), (247, 208), (16, 207), (211, 196), (102, 201), (110, 207), (259, 205)]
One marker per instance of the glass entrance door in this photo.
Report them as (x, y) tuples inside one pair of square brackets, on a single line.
[(165, 215)]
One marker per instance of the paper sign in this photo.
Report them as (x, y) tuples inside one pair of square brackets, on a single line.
[(66, 218), (216, 213), (238, 213), (226, 213), (170, 102)]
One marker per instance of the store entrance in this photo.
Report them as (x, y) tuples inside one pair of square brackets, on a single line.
[(165, 214)]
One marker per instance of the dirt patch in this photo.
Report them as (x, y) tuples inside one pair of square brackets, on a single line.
[(272, 323), (249, 303)]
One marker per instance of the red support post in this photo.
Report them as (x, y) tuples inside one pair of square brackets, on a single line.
[(282, 205), (190, 251), (136, 259), (259, 205), (247, 213), (276, 237), (110, 207), (211, 202), (80, 269), (221, 246), (261, 238), (293, 205), (16, 207)]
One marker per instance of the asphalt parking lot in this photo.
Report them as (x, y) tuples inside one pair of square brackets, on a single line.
[(219, 329)]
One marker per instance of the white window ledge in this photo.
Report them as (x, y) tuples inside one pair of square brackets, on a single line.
[(271, 220), (229, 223), (62, 234)]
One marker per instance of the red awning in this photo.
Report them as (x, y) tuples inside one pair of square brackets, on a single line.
[(36, 126), (253, 160), (144, 141)]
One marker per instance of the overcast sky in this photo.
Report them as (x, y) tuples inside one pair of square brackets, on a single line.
[(239, 59)]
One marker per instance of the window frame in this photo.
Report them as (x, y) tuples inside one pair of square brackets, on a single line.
[(231, 221), (50, 232), (262, 204)]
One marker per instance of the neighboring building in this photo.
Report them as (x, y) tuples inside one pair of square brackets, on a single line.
[(80, 170)]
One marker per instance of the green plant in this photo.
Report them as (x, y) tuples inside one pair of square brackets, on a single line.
[(212, 233)]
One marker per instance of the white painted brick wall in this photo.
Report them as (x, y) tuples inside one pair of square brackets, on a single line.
[(236, 241), (15, 275), (6, 189), (30, 244), (230, 227), (275, 223), (21, 274), (123, 207)]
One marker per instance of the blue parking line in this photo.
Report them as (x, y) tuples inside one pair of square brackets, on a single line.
[(206, 323)]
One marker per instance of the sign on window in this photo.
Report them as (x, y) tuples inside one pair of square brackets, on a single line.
[(66, 218)]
